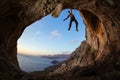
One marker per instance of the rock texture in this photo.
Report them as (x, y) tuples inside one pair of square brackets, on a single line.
[(97, 58)]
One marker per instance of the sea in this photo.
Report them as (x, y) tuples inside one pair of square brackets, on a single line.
[(30, 63)]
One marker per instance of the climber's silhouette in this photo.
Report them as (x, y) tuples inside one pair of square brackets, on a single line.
[(72, 18)]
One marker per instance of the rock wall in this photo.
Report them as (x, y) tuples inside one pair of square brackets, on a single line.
[(97, 55)]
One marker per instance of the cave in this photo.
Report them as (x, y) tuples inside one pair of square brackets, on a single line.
[(95, 59), (45, 42)]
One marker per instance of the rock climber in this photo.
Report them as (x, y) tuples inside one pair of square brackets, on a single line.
[(72, 18)]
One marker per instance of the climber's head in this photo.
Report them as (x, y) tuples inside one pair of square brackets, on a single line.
[(68, 11)]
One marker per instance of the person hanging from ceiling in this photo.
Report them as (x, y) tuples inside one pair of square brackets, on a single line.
[(72, 19)]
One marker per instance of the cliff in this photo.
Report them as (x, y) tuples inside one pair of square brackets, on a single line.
[(97, 58)]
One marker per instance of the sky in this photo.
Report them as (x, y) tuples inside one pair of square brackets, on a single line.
[(49, 36)]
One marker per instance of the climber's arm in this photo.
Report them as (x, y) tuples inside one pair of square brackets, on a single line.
[(66, 18), (71, 10)]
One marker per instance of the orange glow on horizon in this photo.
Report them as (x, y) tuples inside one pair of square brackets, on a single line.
[(33, 52)]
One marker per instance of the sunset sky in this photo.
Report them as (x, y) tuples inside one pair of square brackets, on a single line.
[(50, 36)]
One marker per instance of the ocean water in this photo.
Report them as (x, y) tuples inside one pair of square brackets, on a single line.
[(34, 63)]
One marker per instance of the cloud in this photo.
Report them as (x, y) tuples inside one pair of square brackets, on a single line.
[(74, 41), (55, 34)]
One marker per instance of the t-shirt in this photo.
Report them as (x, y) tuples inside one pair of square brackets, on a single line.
[(71, 16)]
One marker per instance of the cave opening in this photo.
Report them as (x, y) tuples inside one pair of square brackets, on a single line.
[(48, 36)]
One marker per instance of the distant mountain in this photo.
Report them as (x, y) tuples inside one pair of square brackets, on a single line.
[(57, 56)]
